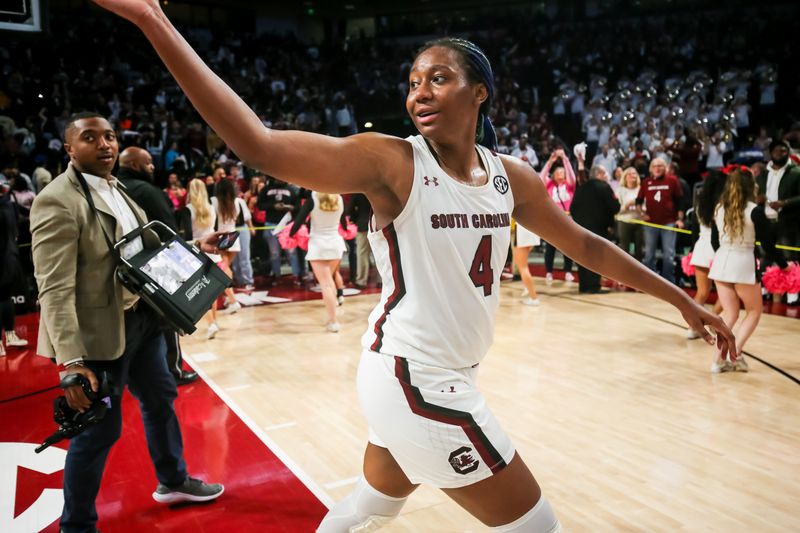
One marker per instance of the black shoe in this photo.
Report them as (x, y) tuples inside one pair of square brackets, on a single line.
[(185, 377), (191, 490), (596, 291)]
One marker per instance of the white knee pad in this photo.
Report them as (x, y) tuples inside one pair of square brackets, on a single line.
[(363, 511), (540, 519)]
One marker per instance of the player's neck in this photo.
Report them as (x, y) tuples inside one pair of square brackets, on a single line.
[(457, 159)]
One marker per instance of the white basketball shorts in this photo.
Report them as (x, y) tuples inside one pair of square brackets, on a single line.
[(433, 421)]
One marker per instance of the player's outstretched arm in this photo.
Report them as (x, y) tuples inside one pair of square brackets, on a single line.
[(538, 213), (357, 163)]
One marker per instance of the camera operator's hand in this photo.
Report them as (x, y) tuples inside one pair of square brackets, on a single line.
[(76, 398), (209, 243)]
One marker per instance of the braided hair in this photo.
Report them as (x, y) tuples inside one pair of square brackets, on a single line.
[(478, 70)]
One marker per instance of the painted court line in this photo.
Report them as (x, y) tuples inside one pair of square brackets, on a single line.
[(238, 387), (341, 483), (304, 478), (204, 357), (280, 426)]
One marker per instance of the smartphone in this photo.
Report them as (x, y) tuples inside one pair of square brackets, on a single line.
[(227, 240)]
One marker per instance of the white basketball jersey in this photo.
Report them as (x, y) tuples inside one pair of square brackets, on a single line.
[(440, 262)]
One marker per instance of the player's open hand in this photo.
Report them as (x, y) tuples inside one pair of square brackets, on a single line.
[(699, 318), (134, 10)]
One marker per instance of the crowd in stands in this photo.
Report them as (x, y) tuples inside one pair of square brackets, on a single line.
[(689, 92)]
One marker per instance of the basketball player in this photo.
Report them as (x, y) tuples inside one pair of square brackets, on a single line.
[(442, 209)]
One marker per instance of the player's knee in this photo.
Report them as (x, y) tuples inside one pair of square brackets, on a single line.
[(363, 511), (540, 519)]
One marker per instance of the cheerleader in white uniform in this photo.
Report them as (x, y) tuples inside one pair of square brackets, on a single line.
[(325, 248), (524, 240), (204, 219), (703, 252), (738, 223), (440, 233), (231, 212)]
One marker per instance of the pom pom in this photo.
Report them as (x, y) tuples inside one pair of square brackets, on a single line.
[(299, 239), (350, 232), (793, 279), (773, 280), (777, 281), (302, 237), (287, 242), (686, 264)]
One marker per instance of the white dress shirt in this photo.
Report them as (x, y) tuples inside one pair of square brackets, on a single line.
[(107, 189), (774, 177)]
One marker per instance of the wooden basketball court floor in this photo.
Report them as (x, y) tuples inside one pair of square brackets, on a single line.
[(613, 409)]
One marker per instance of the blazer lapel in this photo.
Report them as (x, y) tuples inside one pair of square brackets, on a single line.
[(110, 219)]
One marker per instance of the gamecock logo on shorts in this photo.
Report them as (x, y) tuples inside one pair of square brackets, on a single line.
[(501, 184), (463, 462)]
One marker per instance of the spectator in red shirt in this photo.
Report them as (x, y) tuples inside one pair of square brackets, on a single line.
[(688, 155), (659, 202)]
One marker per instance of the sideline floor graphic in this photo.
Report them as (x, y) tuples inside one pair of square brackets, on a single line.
[(261, 493)]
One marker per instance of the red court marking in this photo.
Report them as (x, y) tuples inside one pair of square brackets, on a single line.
[(21, 370), (261, 493)]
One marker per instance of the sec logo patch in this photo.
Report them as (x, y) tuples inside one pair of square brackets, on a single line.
[(501, 184)]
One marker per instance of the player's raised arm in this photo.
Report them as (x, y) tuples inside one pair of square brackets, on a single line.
[(357, 163), (538, 213)]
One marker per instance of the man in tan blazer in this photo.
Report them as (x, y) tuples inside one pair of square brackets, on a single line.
[(90, 324)]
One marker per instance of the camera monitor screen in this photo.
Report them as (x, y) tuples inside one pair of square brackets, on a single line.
[(171, 267)]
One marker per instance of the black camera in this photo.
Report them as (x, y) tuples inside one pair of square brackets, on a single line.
[(71, 422)]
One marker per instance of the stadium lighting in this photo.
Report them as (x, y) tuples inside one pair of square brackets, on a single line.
[(368, 124)]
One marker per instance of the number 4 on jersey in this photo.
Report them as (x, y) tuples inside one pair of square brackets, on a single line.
[(481, 270)]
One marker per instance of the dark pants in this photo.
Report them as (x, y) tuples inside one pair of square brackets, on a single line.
[(629, 232), (588, 281), (174, 354), (143, 367), (787, 234), (352, 259), (6, 315), (550, 257)]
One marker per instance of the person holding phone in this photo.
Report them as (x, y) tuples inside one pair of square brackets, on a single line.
[(560, 188)]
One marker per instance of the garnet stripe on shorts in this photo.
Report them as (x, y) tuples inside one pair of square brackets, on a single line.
[(491, 457), (399, 291)]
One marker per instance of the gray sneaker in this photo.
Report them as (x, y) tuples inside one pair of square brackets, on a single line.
[(740, 365), (719, 366), (191, 490)]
